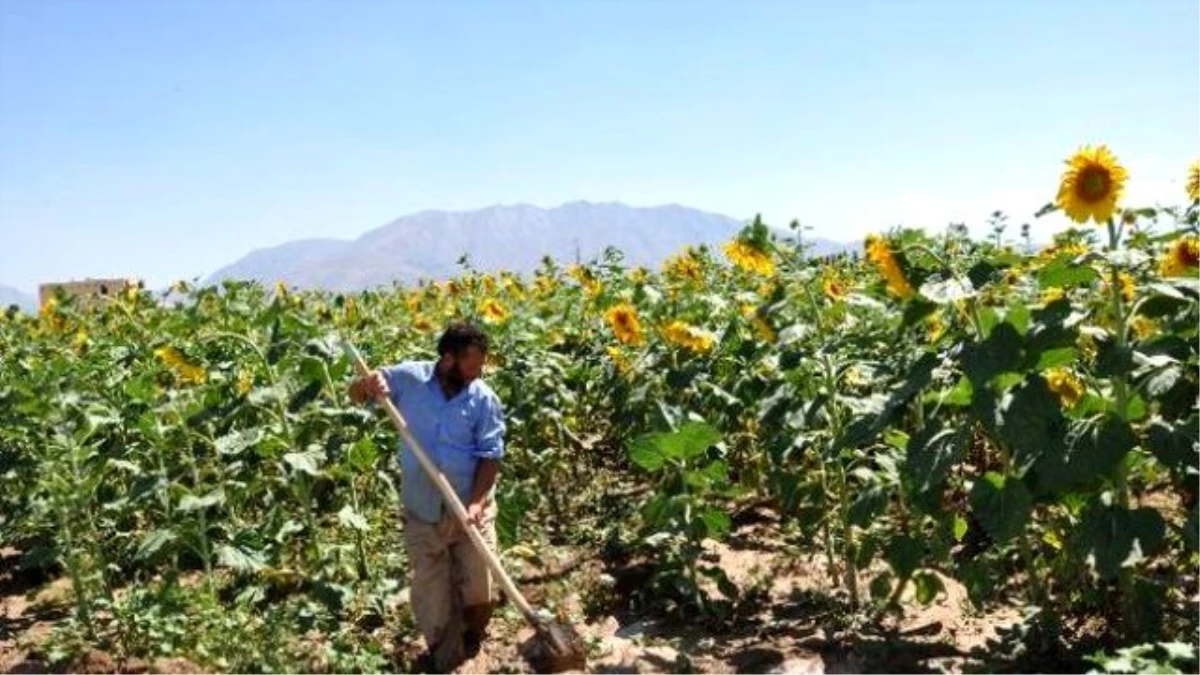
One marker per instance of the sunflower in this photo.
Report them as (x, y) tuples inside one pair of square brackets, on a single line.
[(936, 326), (186, 371), (586, 278), (1065, 385), (1143, 327), (1193, 183), (50, 318), (245, 382), (684, 266), (1091, 185), (493, 311), (881, 254), (1068, 249), (544, 285), (619, 360), (1181, 258), (686, 335), (81, 341), (835, 288), (623, 319), (1052, 294), (749, 258), (1127, 286), (765, 332)]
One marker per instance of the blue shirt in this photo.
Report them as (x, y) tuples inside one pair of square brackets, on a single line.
[(455, 433)]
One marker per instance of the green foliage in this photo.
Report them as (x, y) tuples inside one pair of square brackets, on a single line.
[(1023, 423)]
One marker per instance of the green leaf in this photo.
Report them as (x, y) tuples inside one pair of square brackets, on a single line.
[(1054, 358), (140, 389), (234, 443), (718, 522), (306, 395), (363, 454), (1002, 505), (267, 396), (124, 465), (904, 554), (958, 396), (1000, 352), (947, 291), (1111, 537), (1019, 317), (867, 505), (153, 542), (717, 473), (309, 461), (1191, 529), (881, 585), (982, 273), (240, 558), (1160, 381), (348, 517), (646, 453), (1092, 452), (927, 586), (691, 440), (191, 502), (1065, 274), (1175, 445), (1030, 421), (960, 527), (864, 430), (932, 452)]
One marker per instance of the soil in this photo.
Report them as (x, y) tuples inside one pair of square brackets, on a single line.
[(793, 623)]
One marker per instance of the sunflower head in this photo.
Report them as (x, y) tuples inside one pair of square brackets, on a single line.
[(688, 336), (835, 288), (1181, 258), (749, 257), (1193, 182), (1091, 185), (880, 253), (623, 320), (493, 311), (1065, 385)]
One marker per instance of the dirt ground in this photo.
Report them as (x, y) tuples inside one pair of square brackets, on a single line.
[(795, 625)]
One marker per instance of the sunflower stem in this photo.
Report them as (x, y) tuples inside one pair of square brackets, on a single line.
[(1121, 394)]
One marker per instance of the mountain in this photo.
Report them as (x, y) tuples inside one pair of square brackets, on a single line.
[(13, 296), (429, 244)]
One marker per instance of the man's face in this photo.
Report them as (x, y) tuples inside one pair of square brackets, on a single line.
[(465, 366)]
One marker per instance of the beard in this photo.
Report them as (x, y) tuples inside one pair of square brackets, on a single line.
[(453, 376)]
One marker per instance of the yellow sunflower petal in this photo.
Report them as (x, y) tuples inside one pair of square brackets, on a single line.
[(1091, 185)]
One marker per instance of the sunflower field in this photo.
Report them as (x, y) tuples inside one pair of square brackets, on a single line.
[(1020, 421)]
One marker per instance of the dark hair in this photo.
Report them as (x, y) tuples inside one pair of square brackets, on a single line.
[(459, 336)]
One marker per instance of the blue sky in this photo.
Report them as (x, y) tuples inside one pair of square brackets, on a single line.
[(166, 139)]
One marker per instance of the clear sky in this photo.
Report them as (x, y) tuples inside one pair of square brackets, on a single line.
[(166, 138)]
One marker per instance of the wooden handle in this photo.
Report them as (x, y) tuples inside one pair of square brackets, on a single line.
[(443, 485)]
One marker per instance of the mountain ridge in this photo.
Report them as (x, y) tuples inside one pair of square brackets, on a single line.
[(430, 243)]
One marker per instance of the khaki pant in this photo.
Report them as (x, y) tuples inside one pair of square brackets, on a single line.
[(451, 592)]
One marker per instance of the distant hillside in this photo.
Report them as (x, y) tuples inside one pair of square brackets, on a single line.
[(429, 244), (13, 296)]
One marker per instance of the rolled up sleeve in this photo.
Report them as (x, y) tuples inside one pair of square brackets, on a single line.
[(489, 430)]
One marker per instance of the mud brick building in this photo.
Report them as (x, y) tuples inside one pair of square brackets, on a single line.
[(88, 291)]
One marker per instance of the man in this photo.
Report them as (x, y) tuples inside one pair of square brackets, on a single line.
[(459, 422)]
